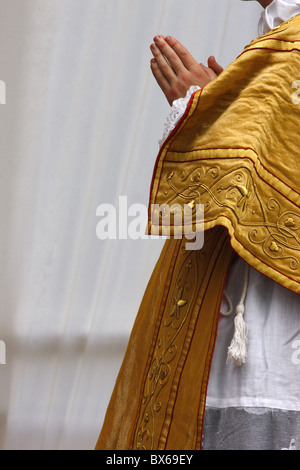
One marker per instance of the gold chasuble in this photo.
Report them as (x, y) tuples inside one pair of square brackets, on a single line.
[(236, 151)]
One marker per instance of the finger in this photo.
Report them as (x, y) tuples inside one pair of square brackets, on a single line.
[(159, 77), (184, 55), (161, 62), (213, 64), (171, 56), (209, 72), (205, 69)]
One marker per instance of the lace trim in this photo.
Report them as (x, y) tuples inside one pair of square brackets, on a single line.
[(177, 111)]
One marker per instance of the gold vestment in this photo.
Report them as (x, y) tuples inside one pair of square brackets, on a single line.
[(236, 151)]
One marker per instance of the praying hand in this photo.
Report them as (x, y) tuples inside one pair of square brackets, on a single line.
[(176, 70)]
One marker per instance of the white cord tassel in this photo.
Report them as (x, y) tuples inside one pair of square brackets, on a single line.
[(237, 351)]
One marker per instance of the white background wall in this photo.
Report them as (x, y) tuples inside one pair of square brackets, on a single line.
[(80, 128)]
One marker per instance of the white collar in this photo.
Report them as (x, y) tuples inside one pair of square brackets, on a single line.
[(276, 13)]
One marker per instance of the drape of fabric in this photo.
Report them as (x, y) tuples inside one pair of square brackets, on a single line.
[(256, 407), (226, 155), (171, 346), (273, 15), (79, 128), (244, 187)]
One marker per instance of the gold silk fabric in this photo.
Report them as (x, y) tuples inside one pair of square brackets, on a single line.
[(236, 151), (159, 398)]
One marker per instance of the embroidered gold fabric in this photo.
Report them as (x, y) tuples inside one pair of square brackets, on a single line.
[(236, 152), (153, 405)]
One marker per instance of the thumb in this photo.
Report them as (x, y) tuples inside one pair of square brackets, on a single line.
[(213, 64)]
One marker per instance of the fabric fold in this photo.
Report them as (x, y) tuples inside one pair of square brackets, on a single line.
[(171, 346), (235, 160)]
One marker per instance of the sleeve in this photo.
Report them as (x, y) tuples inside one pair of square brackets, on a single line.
[(177, 111)]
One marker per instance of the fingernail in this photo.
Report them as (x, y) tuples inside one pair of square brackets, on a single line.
[(158, 38)]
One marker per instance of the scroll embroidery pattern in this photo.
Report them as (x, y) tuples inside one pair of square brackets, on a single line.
[(166, 351), (275, 230)]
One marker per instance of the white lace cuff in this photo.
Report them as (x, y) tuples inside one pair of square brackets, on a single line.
[(177, 111)]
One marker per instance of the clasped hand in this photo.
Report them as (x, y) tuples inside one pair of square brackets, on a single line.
[(176, 70)]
